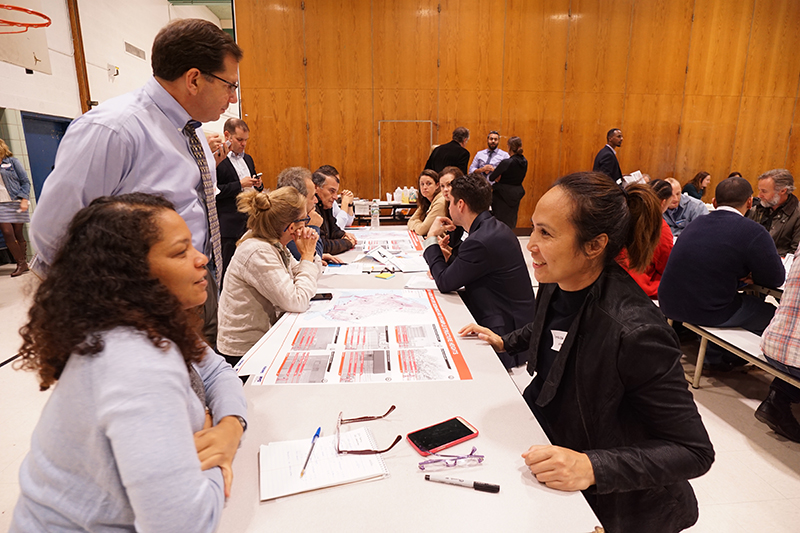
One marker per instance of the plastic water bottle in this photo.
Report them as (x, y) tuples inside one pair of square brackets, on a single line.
[(412, 195), (404, 198), (398, 195), (374, 214)]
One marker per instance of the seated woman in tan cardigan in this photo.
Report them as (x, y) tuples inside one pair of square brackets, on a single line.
[(263, 280), (430, 201)]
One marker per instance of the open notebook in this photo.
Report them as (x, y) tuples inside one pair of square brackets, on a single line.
[(280, 464)]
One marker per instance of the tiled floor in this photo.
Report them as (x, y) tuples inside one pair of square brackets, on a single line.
[(754, 484)]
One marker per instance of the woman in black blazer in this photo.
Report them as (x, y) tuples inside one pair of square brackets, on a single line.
[(507, 190)]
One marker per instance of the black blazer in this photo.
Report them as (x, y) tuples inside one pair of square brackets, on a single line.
[(606, 162), (449, 154), (232, 224), (491, 268), (617, 393)]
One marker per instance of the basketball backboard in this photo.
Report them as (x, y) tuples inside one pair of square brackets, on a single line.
[(23, 40)]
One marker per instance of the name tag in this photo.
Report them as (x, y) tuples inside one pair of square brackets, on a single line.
[(558, 339)]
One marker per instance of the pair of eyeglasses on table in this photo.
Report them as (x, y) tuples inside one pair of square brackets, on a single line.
[(436, 459)]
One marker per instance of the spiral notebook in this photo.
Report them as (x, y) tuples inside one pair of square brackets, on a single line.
[(280, 463)]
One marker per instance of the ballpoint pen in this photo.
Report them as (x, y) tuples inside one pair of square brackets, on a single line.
[(313, 442)]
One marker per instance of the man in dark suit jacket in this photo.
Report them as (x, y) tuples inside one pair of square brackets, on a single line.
[(452, 154), (489, 265), (334, 239), (606, 160), (234, 173)]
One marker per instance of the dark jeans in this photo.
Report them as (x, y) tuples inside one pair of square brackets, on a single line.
[(754, 315), (780, 386)]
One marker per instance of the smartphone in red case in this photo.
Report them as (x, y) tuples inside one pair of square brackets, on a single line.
[(437, 437)]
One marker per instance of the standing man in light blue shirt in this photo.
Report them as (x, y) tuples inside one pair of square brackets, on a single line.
[(141, 142), (487, 160)]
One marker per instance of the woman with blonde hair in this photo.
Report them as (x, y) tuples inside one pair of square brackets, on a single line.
[(14, 191), (263, 280)]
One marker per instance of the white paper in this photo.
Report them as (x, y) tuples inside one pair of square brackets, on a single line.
[(421, 281), (280, 464), (351, 269)]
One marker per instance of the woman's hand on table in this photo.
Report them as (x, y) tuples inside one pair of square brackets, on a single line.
[(560, 468), (217, 445), (484, 334)]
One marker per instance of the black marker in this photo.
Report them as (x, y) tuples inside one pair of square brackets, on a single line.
[(477, 485)]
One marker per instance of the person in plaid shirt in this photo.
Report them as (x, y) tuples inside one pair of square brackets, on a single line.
[(781, 345)]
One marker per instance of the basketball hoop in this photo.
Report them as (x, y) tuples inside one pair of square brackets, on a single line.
[(21, 27)]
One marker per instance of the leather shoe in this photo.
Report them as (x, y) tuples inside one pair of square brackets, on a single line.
[(776, 412)]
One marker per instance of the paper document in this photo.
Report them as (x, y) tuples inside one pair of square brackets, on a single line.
[(421, 281), (352, 269), (279, 464)]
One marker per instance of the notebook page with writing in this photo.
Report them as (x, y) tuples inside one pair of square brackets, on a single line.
[(280, 464)]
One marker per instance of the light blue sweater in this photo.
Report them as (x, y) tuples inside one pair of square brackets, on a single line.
[(114, 448)]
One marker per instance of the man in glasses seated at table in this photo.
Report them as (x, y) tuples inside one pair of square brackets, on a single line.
[(490, 265), (334, 239)]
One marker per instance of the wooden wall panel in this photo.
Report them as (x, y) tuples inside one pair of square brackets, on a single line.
[(405, 80), (773, 64), (402, 146), (651, 133), (340, 135), (720, 37), (708, 129), (587, 118), (535, 45), (478, 111), (597, 55), (277, 121), (405, 44), (659, 46), (272, 80), (793, 152), (471, 45), (338, 44), (762, 136), (535, 117), (271, 36)]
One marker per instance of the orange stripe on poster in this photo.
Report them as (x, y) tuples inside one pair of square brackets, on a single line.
[(415, 240), (449, 338)]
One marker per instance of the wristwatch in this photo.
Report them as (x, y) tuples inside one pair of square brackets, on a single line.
[(242, 421)]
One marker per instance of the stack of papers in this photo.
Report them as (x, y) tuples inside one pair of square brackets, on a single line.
[(280, 464)]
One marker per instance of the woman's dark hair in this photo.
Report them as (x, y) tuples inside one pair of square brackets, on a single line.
[(455, 171), (515, 145), (698, 179), (423, 203), (100, 279), (662, 188), (631, 219)]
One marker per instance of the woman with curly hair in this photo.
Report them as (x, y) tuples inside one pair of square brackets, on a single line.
[(145, 419)]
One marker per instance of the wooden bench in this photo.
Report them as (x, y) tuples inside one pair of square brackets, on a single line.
[(738, 341)]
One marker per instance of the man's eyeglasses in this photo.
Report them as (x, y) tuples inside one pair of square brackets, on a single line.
[(362, 419), (303, 220), (439, 459), (232, 87)]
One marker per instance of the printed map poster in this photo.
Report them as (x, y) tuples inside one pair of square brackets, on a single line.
[(392, 241), (360, 336)]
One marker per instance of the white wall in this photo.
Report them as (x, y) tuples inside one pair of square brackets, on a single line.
[(55, 94), (105, 26)]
